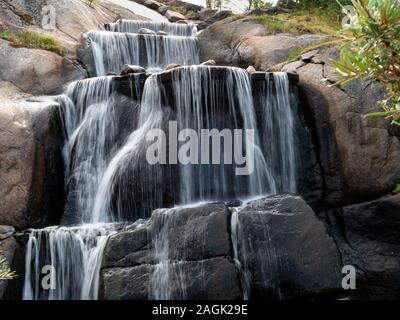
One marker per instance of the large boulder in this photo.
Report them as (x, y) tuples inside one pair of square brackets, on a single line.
[(178, 253), (368, 238), (72, 17), (31, 169), (243, 42), (358, 155), (20, 66), (287, 250), (212, 18), (174, 16)]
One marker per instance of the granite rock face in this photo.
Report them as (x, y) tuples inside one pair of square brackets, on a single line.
[(243, 42), (31, 170), (286, 250), (358, 155), (368, 238), (188, 253)]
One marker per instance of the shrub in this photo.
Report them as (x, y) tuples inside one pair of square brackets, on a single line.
[(372, 52), (5, 272)]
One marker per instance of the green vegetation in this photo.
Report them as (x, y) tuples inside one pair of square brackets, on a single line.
[(396, 189), (295, 54), (93, 2), (331, 6), (31, 39), (260, 4), (301, 21), (372, 52), (190, 14), (5, 272)]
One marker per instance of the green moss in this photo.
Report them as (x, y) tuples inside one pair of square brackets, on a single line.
[(182, 10), (296, 53), (5, 35), (397, 189), (31, 39)]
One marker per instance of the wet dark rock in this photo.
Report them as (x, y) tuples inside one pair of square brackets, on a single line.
[(133, 283), (198, 233), (287, 250), (128, 69), (198, 244), (368, 238), (282, 243), (234, 203)]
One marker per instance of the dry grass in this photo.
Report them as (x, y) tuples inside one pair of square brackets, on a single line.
[(31, 39), (314, 21)]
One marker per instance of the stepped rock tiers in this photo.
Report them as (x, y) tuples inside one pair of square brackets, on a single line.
[(78, 193), (106, 143)]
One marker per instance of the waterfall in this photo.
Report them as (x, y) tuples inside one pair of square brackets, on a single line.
[(89, 117), (74, 257), (278, 121), (109, 178), (111, 50), (198, 97), (89, 121), (167, 281), (245, 277), (173, 29)]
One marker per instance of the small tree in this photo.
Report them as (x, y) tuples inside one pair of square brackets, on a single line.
[(373, 52), (5, 272), (259, 4)]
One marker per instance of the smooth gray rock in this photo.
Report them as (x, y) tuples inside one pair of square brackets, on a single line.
[(218, 16), (358, 154), (212, 279), (286, 250), (174, 16), (196, 243), (128, 68), (196, 234), (146, 31), (243, 42)]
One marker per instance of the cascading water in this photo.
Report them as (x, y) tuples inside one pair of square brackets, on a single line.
[(89, 120), (200, 97), (173, 29), (277, 127), (111, 50), (74, 255), (110, 179)]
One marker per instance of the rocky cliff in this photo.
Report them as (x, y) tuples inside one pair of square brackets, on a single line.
[(350, 162)]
